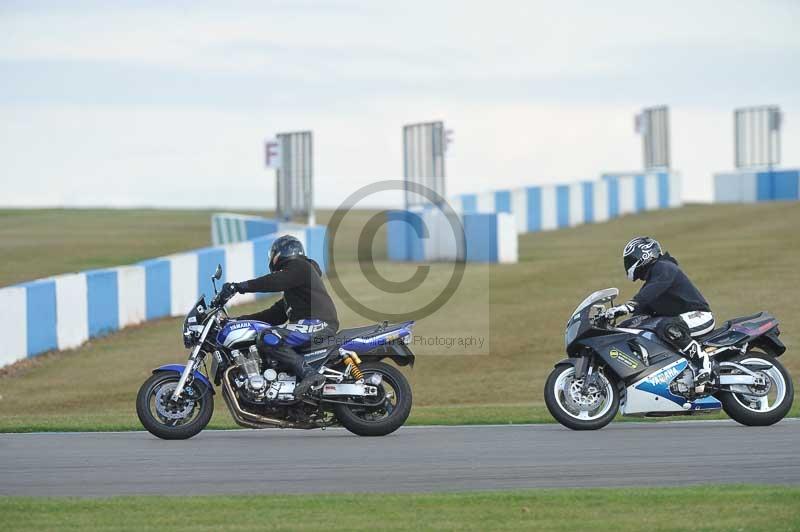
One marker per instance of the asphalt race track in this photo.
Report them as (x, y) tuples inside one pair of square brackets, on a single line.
[(412, 459)]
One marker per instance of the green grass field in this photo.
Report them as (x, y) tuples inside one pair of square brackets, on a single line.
[(743, 257), (773, 508)]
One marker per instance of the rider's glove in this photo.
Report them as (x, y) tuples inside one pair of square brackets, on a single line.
[(228, 290), (620, 310)]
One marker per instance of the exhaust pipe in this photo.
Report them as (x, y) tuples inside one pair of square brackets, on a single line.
[(249, 419)]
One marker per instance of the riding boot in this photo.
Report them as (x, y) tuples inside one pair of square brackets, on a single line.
[(310, 378), (696, 354)]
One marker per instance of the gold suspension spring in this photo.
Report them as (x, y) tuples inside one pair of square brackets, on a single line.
[(355, 371)]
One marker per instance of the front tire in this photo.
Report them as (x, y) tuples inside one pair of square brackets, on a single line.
[(575, 410), (756, 411), (169, 420), (396, 404)]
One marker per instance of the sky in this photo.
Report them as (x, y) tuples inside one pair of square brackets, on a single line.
[(168, 104)]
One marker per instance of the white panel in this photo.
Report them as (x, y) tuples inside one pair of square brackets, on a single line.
[(600, 201), (507, 239), (216, 223), (72, 310), (430, 249), (183, 282), (549, 209), (748, 187), (651, 192), (131, 295), (627, 195), (455, 204), (519, 207), (441, 242), (728, 188), (576, 215), (239, 263), (675, 197), (13, 324), (485, 202)]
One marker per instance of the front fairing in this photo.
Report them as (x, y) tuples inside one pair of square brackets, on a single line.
[(580, 322)]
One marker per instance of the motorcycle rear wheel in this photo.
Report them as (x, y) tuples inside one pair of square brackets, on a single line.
[(385, 420), (757, 411), (168, 420)]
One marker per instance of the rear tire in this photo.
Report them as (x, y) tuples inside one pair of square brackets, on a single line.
[(555, 397), (734, 406), (158, 425), (356, 423)]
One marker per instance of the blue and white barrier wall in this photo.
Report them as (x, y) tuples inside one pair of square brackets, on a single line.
[(227, 228), (65, 311), (549, 207), (752, 186), (429, 235)]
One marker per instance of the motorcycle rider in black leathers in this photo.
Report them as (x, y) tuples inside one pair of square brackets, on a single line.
[(306, 314), (668, 302)]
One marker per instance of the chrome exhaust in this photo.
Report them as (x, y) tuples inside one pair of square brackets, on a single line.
[(249, 419)]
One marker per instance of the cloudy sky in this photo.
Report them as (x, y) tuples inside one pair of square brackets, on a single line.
[(164, 103)]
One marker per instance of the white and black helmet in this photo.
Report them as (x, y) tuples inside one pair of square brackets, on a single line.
[(638, 254)]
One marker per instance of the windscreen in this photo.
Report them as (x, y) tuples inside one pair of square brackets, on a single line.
[(600, 296)]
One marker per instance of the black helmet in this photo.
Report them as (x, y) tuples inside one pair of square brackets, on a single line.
[(284, 248), (638, 254)]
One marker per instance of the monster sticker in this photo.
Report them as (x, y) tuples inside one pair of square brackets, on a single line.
[(624, 358)]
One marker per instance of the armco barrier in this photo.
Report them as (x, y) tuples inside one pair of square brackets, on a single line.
[(430, 235), (752, 186), (63, 312), (549, 207)]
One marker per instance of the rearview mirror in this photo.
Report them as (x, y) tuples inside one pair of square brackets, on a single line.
[(218, 272)]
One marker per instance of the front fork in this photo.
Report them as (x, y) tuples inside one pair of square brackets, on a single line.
[(586, 369), (193, 361), (187, 372)]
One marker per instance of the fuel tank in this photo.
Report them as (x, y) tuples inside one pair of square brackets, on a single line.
[(240, 332)]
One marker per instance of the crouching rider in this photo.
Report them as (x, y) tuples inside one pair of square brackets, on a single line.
[(668, 302)]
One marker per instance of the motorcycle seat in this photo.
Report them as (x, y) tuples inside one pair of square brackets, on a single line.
[(717, 336), (345, 335)]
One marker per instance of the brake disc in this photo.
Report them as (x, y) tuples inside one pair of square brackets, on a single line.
[(579, 400), (170, 409)]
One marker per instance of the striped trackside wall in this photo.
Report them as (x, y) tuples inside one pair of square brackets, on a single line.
[(550, 207), (13, 330), (430, 235), (40, 318), (72, 310), (131, 295), (752, 186), (65, 311), (227, 228)]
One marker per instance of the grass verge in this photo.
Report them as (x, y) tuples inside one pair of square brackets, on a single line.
[(718, 507), (743, 257)]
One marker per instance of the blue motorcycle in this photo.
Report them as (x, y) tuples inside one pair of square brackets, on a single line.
[(625, 369), (361, 392)]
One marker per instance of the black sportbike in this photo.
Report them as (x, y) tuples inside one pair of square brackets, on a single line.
[(613, 369)]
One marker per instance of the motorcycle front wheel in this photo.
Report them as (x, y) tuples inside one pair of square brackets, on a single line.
[(579, 409), (382, 415), (173, 420)]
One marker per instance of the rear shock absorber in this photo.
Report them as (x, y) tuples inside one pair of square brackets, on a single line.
[(352, 361)]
